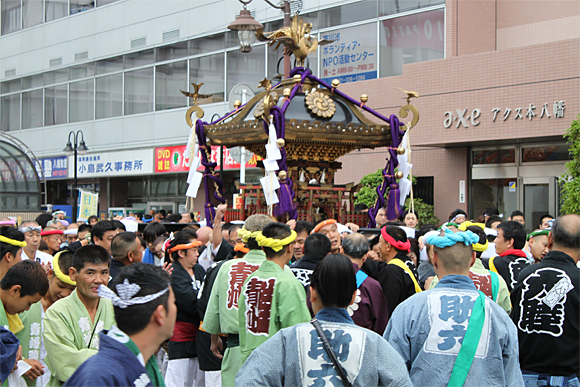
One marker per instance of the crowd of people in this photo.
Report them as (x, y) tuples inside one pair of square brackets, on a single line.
[(479, 302)]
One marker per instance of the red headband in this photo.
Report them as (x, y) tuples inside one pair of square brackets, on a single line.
[(51, 232), (322, 224), (403, 246), (184, 247)]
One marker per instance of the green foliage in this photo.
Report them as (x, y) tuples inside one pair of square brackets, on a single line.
[(425, 212), (570, 180), (368, 192), (368, 195)]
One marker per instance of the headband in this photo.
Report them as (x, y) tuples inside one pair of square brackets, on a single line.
[(241, 248), (29, 229), (184, 247), (51, 232), (468, 223), (12, 242), (126, 292), (322, 224), (246, 235), (7, 223), (59, 274), (403, 246), (72, 231), (450, 239), (536, 233), (275, 244), (147, 220), (57, 213), (447, 224), (455, 217)]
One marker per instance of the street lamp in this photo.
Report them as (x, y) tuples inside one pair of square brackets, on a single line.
[(246, 26), (80, 148)]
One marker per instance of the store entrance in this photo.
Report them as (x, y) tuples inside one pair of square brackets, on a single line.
[(167, 206)]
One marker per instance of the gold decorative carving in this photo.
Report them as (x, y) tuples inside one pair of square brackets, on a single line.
[(320, 104), (403, 113), (268, 101)]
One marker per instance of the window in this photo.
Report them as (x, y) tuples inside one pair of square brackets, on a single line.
[(139, 91), (348, 13), (32, 109), (109, 65), (55, 9), (55, 105), (77, 6), (246, 67), (82, 71), (208, 44), (57, 76), (11, 17), (545, 153), (410, 39), (494, 156), (10, 113), (174, 51), (32, 13), (109, 96), (389, 7), (33, 81), (169, 80), (209, 70), (494, 193), (82, 101), (13, 85), (140, 58)]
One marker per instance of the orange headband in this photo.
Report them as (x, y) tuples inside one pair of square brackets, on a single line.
[(184, 247), (322, 224), (241, 248)]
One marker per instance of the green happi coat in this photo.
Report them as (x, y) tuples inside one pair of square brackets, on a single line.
[(70, 337), (221, 315), (271, 300), (31, 337)]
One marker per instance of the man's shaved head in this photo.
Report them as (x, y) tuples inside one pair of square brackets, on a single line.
[(566, 232), (455, 258)]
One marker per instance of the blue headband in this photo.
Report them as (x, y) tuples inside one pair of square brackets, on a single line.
[(147, 220), (450, 238)]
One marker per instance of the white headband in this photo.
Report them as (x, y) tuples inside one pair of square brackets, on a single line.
[(126, 292), (72, 231)]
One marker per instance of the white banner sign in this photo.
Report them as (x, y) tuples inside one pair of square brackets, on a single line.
[(111, 164)]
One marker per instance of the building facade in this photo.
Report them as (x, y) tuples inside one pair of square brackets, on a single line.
[(498, 85)]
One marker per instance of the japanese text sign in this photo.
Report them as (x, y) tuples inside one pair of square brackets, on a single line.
[(88, 203), (54, 167), (125, 163), (173, 159), (352, 56)]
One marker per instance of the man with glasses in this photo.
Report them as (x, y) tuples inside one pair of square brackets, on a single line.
[(31, 231)]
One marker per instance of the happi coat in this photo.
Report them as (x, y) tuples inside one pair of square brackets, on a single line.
[(369, 309), (119, 363), (221, 315), (295, 356), (271, 299), (428, 329), (32, 343), (398, 284), (70, 337), (482, 279), (4, 322), (546, 312), (509, 264)]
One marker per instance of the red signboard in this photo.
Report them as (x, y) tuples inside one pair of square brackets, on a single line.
[(173, 159)]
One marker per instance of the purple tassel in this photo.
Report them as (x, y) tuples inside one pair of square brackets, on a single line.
[(393, 207)]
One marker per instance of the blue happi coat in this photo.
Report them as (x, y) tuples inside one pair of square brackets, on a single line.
[(114, 365), (427, 330), (296, 357)]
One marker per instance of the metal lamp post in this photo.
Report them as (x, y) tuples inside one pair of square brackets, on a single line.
[(70, 149), (246, 26)]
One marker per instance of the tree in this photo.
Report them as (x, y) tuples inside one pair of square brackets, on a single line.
[(368, 195), (570, 180)]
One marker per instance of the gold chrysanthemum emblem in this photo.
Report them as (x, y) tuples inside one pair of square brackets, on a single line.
[(320, 104)]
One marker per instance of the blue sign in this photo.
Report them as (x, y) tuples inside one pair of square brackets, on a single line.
[(512, 186), (54, 167)]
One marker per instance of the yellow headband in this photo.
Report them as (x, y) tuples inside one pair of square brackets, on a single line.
[(56, 269), (275, 244), (246, 235), (476, 246), (12, 242)]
